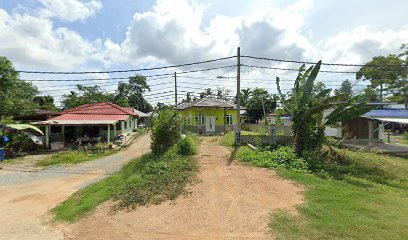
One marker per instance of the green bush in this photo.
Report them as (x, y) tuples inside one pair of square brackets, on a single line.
[(156, 179), (186, 147), (283, 156), (166, 131)]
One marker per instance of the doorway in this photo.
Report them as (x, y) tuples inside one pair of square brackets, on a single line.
[(210, 124)]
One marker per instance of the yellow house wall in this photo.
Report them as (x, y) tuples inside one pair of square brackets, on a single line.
[(217, 112)]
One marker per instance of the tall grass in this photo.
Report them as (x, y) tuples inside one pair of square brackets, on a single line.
[(150, 179)]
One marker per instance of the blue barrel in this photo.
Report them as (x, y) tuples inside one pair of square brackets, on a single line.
[(1, 154)]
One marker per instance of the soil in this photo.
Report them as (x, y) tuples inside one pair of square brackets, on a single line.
[(24, 207), (232, 201)]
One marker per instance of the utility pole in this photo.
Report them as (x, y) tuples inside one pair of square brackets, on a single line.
[(238, 125), (175, 90)]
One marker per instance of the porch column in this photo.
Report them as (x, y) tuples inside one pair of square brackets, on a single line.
[(63, 132), (371, 132), (225, 120), (47, 136), (108, 135), (122, 126), (114, 131)]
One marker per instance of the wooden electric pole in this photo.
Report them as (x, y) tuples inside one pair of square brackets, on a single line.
[(175, 90), (238, 125)]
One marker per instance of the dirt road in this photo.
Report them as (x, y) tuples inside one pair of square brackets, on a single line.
[(26, 197), (233, 201)]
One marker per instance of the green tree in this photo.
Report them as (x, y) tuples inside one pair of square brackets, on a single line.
[(45, 102), (133, 93), (387, 73), (223, 93), (208, 92), (306, 109), (86, 95), (345, 88), (245, 96), (165, 132), (259, 104), (16, 95)]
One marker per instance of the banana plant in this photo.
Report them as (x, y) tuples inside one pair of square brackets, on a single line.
[(306, 109)]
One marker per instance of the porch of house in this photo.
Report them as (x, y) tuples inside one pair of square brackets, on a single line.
[(58, 136)]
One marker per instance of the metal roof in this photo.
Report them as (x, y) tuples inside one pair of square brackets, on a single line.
[(386, 113)]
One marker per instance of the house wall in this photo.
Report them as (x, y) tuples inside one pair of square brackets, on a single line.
[(217, 112), (131, 124), (220, 121), (358, 128)]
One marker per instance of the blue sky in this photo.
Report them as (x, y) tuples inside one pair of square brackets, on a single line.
[(73, 35)]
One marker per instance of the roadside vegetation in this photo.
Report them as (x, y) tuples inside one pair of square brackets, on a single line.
[(363, 197), (73, 157), (149, 179)]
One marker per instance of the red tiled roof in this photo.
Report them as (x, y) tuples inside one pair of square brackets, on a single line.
[(104, 108), (69, 116), (96, 112)]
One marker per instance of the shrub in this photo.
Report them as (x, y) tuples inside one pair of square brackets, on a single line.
[(283, 156), (166, 132), (186, 147)]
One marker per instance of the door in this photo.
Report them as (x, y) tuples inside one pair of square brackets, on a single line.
[(210, 124)]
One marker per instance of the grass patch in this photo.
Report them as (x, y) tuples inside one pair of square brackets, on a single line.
[(146, 180), (367, 198), (227, 139), (73, 157)]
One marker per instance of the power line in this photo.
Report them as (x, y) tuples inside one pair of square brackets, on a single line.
[(293, 69), (130, 70), (306, 62)]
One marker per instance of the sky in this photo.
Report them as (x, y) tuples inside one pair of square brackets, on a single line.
[(102, 35)]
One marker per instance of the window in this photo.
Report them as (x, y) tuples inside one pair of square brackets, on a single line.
[(229, 119), (202, 119), (118, 126), (196, 120), (125, 127)]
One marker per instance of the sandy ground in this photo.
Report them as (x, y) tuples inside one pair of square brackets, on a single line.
[(24, 207), (232, 201)]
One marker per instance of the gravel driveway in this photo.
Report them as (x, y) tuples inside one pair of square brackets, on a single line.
[(27, 193)]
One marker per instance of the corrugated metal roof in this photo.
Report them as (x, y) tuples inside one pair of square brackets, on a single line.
[(141, 114), (208, 103), (385, 113)]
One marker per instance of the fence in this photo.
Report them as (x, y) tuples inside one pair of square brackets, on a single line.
[(266, 134)]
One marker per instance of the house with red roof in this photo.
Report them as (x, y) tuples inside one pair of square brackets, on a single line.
[(94, 122)]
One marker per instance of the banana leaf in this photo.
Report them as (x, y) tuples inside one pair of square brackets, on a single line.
[(24, 127), (308, 88)]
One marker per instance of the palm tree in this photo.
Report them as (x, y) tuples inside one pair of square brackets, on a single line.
[(306, 109)]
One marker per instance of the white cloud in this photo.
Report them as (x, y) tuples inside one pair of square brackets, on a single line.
[(69, 10), (361, 44), (34, 42)]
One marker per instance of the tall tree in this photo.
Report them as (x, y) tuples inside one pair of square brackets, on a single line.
[(16, 95), (387, 73), (133, 93), (85, 95), (208, 92), (260, 103), (45, 102), (223, 93), (346, 88), (245, 96)]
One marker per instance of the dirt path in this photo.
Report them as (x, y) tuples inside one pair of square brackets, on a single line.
[(25, 203), (232, 202)]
